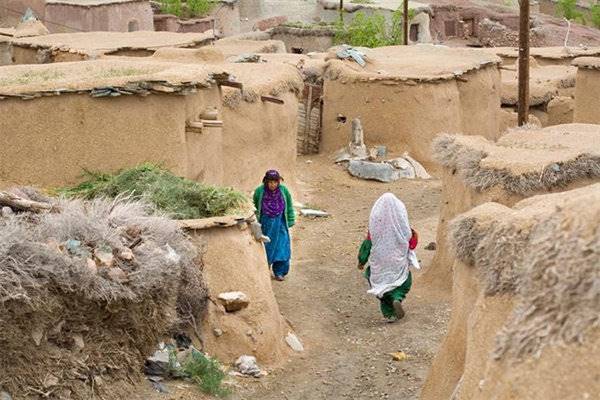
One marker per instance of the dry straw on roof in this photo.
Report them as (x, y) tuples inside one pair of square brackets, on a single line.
[(50, 295), (466, 156), (546, 251)]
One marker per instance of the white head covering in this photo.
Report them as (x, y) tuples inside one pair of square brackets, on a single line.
[(390, 256)]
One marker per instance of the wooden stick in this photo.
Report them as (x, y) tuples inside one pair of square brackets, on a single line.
[(19, 203), (236, 85), (272, 99), (523, 110), (405, 22)]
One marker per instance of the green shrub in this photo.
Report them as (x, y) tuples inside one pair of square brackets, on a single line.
[(568, 10), (171, 7), (188, 8), (595, 15), (180, 198), (372, 31), (206, 373), (199, 8)]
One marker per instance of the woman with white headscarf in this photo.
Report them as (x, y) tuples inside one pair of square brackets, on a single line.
[(389, 252)]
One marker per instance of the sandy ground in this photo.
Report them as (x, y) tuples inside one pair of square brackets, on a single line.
[(348, 344)]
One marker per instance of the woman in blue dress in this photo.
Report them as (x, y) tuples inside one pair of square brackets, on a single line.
[(275, 210)]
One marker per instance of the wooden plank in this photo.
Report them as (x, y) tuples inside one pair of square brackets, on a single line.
[(272, 99), (215, 222)]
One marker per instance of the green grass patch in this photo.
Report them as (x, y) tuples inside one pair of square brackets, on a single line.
[(595, 15), (206, 373), (180, 198), (372, 30), (187, 9)]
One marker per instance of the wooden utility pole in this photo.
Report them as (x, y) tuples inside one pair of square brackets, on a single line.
[(523, 114), (342, 10), (405, 22)]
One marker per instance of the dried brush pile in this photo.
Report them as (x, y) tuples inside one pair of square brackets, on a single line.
[(545, 252), (87, 290)]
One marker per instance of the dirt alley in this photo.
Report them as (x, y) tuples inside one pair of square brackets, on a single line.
[(348, 344)]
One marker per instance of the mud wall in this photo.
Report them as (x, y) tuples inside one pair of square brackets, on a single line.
[(259, 136), (587, 100), (116, 17), (406, 117), (303, 39), (12, 10), (49, 140), (469, 304), (5, 53), (227, 18), (234, 261), (29, 55)]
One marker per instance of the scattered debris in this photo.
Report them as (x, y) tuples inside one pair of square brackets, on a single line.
[(375, 171), (234, 301), (356, 156), (218, 332), (246, 365), (159, 387), (248, 58), (399, 356), (295, 343), (159, 363), (431, 246), (356, 149), (309, 212), (347, 52)]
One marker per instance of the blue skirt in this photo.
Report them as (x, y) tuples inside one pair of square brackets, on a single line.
[(276, 229)]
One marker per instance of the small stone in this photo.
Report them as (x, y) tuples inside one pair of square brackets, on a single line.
[(50, 381), (5, 396), (431, 246), (37, 334), (104, 257), (78, 341), (91, 265), (217, 332), (309, 212), (117, 275), (382, 172), (399, 356), (125, 254), (98, 381), (293, 341), (247, 365), (234, 301), (5, 212), (54, 245)]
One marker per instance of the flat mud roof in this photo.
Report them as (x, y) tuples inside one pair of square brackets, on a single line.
[(524, 160), (105, 42), (587, 62), (110, 77), (556, 52), (417, 63)]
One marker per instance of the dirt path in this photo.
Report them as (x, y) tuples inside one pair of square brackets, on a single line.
[(325, 299)]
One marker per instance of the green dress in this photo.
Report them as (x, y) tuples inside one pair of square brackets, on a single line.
[(399, 293)]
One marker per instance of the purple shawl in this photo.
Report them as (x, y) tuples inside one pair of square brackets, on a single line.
[(273, 204)]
